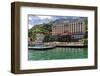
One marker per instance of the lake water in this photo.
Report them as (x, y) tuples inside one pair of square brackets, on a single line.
[(58, 53)]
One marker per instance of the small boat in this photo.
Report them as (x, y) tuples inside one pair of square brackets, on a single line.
[(43, 47)]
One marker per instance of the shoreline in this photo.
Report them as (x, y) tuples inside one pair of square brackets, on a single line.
[(52, 45)]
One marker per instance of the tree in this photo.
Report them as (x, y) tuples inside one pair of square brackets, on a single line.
[(44, 28), (85, 38)]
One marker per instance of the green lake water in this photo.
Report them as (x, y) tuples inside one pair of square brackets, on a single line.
[(58, 53)]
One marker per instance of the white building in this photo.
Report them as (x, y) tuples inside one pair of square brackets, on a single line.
[(75, 28)]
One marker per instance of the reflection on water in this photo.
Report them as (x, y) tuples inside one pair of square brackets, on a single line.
[(58, 53)]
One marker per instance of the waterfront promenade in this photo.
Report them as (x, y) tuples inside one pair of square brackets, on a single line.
[(61, 43)]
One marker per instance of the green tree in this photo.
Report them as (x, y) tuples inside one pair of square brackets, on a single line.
[(85, 38), (44, 28)]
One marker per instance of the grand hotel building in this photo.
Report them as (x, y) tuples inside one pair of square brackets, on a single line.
[(74, 28)]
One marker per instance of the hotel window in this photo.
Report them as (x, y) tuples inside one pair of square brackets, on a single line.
[(72, 28), (69, 27), (76, 27), (81, 26)]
